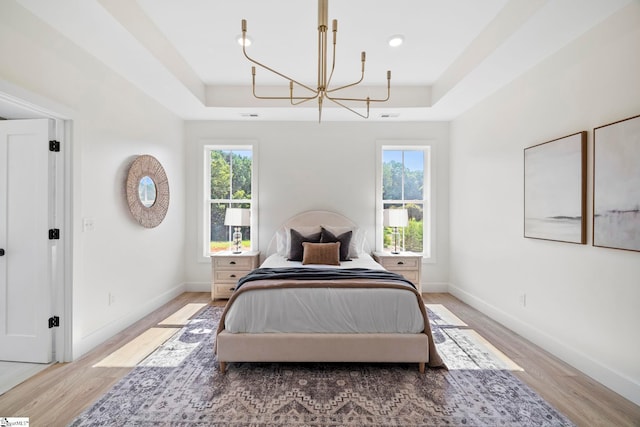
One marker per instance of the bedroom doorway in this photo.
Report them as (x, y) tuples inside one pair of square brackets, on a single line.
[(23, 190), (28, 238)]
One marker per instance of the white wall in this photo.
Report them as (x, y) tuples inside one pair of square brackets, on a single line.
[(112, 122), (581, 301), (305, 166)]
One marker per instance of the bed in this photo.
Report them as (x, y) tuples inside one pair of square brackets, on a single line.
[(303, 305)]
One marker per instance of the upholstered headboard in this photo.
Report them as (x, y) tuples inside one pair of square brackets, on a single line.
[(311, 218)]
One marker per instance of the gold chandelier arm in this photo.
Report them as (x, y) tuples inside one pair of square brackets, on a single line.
[(367, 99), (244, 51), (322, 57), (333, 61), (303, 99), (290, 97), (283, 98), (363, 56), (351, 109)]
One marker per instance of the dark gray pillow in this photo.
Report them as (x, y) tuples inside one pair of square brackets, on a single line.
[(345, 240), (296, 252)]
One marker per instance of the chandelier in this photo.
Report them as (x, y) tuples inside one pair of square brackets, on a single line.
[(323, 90)]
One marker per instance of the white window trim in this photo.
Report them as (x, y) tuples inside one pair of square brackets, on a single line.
[(205, 189), (429, 255)]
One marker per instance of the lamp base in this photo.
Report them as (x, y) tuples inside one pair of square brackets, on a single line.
[(237, 241), (395, 250)]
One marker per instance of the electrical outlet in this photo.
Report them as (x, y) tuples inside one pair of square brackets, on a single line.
[(112, 299), (88, 224), (523, 300)]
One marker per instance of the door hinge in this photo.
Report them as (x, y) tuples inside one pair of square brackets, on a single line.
[(54, 146), (54, 234), (54, 322)]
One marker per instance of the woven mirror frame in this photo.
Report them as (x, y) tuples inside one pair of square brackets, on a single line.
[(147, 170)]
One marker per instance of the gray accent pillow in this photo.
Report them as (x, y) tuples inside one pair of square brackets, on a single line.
[(345, 240), (297, 251)]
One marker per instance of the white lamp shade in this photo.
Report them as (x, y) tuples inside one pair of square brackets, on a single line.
[(396, 217), (237, 217)]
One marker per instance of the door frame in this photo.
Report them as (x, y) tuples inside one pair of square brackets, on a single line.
[(27, 105)]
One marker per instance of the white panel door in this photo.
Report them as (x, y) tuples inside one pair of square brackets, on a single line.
[(27, 196)]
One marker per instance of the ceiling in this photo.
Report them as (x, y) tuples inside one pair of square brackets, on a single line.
[(185, 55)]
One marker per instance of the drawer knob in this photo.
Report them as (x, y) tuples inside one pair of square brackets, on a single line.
[(232, 275), (232, 289), (232, 263), (400, 262)]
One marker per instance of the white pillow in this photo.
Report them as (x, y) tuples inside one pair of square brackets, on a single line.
[(356, 247), (281, 242)]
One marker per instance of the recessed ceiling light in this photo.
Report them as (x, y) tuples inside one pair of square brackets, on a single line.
[(247, 40), (389, 115), (395, 41), (249, 115)]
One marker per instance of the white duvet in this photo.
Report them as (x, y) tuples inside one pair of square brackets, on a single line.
[(325, 310)]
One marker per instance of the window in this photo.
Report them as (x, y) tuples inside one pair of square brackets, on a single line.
[(229, 172), (404, 174)]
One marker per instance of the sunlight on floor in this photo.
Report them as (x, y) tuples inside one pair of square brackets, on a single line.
[(138, 349), (462, 347), (448, 318), (133, 352), (182, 316)]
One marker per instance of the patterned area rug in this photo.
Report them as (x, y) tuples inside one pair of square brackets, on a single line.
[(180, 385)]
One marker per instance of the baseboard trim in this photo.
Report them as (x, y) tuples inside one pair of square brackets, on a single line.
[(198, 287), (87, 343), (608, 377), (435, 287)]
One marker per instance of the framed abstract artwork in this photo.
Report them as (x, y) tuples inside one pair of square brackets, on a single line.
[(555, 189), (616, 185)]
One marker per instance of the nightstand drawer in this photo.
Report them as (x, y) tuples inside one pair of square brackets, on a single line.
[(407, 264), (411, 275), (233, 263), (400, 263), (228, 276), (224, 290), (227, 268)]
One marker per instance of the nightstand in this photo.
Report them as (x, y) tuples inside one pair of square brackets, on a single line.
[(227, 268), (408, 264)]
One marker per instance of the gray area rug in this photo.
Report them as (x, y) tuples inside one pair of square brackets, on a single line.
[(180, 385)]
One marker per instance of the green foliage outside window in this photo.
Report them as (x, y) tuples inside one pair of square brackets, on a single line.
[(403, 187), (230, 187), (393, 180)]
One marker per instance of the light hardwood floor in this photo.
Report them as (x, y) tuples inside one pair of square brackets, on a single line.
[(57, 395)]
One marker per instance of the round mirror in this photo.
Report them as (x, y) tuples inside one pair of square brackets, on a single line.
[(147, 191)]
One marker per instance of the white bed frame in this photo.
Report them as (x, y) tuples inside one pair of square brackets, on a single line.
[(321, 347)]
